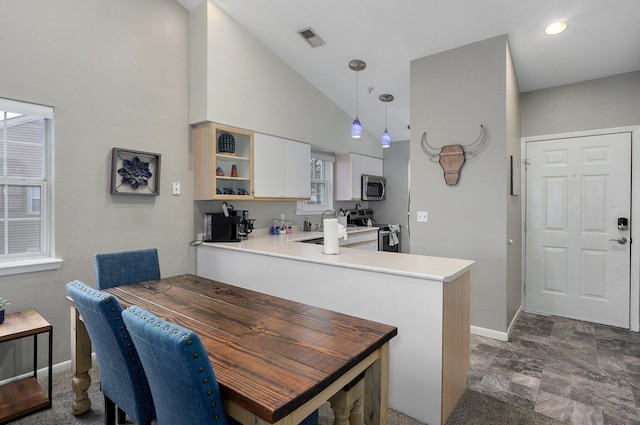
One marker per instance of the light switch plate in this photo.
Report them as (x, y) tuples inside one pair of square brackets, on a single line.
[(423, 216), (175, 189)]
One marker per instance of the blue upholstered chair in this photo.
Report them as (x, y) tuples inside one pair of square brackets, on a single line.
[(122, 377), (181, 377), (182, 380), (123, 268)]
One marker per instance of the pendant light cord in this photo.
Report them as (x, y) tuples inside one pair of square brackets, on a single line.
[(357, 102), (385, 116)]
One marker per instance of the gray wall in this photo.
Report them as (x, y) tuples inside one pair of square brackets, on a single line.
[(394, 209), (595, 104), (452, 93), (116, 72), (514, 205)]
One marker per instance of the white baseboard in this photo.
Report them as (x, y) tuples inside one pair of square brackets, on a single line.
[(514, 320), (489, 333), (42, 373), (493, 334)]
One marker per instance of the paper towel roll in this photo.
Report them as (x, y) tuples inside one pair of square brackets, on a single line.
[(330, 226)]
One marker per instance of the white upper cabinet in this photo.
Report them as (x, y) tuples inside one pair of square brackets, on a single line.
[(349, 169), (281, 168), (298, 170)]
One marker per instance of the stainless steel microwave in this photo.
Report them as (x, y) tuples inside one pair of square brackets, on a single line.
[(373, 188)]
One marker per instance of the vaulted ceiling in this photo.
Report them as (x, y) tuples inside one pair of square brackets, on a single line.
[(602, 39)]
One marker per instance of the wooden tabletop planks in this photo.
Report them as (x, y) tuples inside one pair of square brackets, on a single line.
[(269, 354)]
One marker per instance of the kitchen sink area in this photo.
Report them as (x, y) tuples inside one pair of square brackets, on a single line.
[(364, 233), (317, 241), (360, 237)]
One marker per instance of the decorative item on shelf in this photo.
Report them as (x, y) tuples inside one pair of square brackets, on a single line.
[(234, 171), (226, 144), (219, 172), (134, 172), (452, 157), (385, 141), (242, 192), (3, 303), (356, 128)]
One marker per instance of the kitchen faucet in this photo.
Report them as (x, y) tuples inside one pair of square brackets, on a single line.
[(333, 214)]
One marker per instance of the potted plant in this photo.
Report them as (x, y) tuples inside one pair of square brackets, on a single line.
[(3, 302)]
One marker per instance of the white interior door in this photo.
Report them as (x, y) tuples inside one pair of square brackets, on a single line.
[(577, 258)]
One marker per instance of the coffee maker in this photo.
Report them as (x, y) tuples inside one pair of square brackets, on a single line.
[(219, 227), (245, 226)]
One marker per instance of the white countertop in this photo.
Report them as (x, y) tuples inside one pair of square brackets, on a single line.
[(289, 246)]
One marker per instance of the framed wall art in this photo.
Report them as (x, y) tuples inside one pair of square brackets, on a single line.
[(135, 172)]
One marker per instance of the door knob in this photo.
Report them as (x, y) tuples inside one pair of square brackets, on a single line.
[(621, 240)]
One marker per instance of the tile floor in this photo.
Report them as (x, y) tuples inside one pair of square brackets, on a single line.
[(577, 372)]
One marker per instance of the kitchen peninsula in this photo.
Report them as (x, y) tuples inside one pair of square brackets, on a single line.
[(426, 298)]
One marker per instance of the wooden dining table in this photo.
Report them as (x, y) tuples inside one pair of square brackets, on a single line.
[(276, 360)]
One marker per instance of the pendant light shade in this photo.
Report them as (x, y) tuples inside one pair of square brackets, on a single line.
[(385, 140), (356, 128)]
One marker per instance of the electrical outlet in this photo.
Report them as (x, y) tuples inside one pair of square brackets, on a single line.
[(281, 216), (423, 216)]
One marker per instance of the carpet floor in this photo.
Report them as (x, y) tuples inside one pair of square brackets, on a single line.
[(473, 408)]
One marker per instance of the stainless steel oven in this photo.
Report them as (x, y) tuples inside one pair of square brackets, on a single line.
[(385, 240)]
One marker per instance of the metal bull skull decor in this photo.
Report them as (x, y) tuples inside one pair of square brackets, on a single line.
[(452, 157)]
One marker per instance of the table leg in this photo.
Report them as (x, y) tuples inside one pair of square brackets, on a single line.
[(357, 412), (376, 390), (80, 363), (348, 405)]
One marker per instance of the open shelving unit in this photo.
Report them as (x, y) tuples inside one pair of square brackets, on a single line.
[(208, 159), (24, 396)]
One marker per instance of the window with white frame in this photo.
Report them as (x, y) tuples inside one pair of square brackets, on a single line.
[(321, 168), (25, 138)]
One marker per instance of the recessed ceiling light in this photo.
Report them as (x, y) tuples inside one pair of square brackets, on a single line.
[(555, 27)]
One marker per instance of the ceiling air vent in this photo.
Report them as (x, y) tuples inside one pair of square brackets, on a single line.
[(311, 37)]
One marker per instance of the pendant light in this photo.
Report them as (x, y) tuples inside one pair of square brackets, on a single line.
[(356, 128), (385, 141)]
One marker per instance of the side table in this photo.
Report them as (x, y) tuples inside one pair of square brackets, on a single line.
[(25, 396)]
